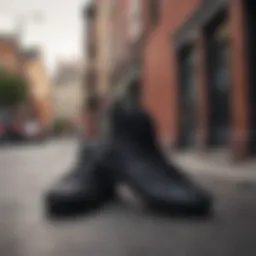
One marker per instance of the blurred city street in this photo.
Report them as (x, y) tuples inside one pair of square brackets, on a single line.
[(116, 229)]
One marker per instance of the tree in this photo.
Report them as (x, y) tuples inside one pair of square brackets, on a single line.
[(13, 89)]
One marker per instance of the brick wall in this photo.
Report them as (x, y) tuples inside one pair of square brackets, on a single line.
[(120, 33), (239, 94), (8, 54), (159, 70), (39, 88)]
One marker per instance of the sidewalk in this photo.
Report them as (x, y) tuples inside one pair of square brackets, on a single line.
[(216, 164)]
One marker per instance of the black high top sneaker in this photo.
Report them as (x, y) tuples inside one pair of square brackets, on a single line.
[(84, 187), (140, 164)]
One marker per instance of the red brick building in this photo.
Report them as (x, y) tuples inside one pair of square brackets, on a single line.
[(130, 25), (159, 67), (120, 44), (28, 63), (90, 44), (197, 73), (9, 53)]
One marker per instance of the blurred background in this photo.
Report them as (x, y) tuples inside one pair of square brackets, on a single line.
[(190, 68), (177, 60), (189, 63)]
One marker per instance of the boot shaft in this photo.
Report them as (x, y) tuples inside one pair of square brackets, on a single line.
[(133, 126)]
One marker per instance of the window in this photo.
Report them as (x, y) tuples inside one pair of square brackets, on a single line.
[(154, 9), (187, 95)]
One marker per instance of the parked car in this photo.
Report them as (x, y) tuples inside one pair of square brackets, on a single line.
[(15, 132)]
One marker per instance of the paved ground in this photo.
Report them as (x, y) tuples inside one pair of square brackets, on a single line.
[(116, 230), (217, 163)]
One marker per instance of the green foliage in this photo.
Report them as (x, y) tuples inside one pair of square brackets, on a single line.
[(13, 89)]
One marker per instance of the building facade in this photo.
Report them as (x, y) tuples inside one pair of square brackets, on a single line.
[(104, 39), (9, 53), (190, 64), (197, 74), (40, 89), (159, 68), (68, 91), (91, 74), (28, 63), (130, 22)]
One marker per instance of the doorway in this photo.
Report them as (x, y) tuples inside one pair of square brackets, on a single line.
[(217, 59), (186, 97), (250, 28)]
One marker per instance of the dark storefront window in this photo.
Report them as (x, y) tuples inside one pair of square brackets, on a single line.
[(218, 82), (250, 39), (187, 96)]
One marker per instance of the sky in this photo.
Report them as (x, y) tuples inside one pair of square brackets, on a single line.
[(57, 27)]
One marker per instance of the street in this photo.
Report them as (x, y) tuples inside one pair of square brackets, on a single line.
[(116, 229)]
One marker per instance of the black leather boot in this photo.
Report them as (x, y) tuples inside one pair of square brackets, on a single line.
[(83, 188), (139, 163)]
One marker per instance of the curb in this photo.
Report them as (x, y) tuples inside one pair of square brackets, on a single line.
[(224, 174)]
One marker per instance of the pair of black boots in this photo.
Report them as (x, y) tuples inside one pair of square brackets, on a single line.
[(130, 156)]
